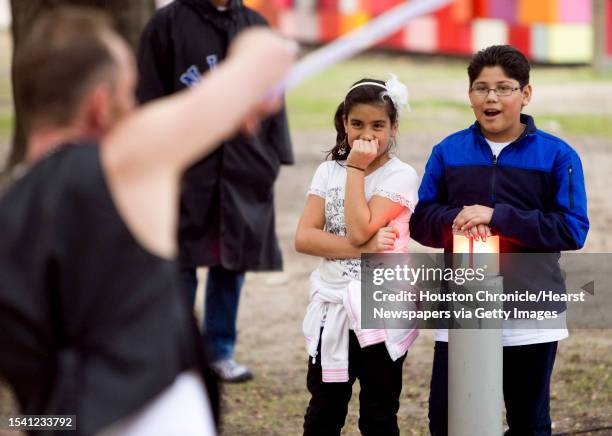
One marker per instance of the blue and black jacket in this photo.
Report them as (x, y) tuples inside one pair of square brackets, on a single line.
[(535, 185), (536, 189)]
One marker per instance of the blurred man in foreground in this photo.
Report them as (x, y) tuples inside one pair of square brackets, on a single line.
[(93, 320)]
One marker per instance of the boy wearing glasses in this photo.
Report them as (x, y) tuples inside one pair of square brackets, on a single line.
[(504, 175)]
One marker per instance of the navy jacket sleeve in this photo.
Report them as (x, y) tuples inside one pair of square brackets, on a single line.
[(432, 219), (563, 228), (275, 130), (155, 60), (277, 136)]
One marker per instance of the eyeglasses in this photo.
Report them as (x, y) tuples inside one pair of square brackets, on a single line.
[(500, 91)]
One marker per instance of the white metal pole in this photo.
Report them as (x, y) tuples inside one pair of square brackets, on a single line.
[(475, 364), (475, 368)]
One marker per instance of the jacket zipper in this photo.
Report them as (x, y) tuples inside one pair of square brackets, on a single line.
[(570, 171), (493, 178)]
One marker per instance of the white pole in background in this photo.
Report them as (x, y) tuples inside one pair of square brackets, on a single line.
[(602, 61)]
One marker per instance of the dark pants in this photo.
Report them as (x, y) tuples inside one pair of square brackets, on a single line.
[(223, 288), (380, 379), (526, 385)]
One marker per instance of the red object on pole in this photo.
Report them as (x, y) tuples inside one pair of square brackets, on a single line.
[(470, 247)]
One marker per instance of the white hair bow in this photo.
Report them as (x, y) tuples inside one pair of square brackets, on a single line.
[(397, 92)]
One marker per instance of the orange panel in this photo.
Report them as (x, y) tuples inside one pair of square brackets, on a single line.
[(462, 11), (540, 11), (253, 4), (351, 22), (267, 9)]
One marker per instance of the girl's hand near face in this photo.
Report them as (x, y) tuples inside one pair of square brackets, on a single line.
[(363, 153)]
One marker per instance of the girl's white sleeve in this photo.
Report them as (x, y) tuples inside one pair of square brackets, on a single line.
[(318, 186), (401, 185)]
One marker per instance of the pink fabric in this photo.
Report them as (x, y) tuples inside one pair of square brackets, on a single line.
[(335, 375), (367, 337), (370, 337)]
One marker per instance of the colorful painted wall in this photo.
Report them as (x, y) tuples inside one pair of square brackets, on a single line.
[(554, 31)]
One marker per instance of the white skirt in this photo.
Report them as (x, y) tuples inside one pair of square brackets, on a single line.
[(182, 409)]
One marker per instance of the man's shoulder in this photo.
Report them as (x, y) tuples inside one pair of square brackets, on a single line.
[(68, 165), (36, 185)]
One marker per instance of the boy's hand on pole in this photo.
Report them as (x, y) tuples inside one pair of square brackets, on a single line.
[(481, 231), (474, 221)]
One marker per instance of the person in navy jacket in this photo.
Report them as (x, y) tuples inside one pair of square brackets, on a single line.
[(226, 218), (503, 175)]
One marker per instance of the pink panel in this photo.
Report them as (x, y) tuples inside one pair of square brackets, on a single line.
[(421, 34), (575, 11)]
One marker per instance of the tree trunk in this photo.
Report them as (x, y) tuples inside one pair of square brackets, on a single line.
[(129, 16)]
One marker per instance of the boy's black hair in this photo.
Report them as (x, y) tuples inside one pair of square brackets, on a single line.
[(512, 61), (366, 94)]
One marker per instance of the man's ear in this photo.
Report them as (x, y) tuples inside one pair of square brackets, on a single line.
[(97, 108), (527, 93)]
